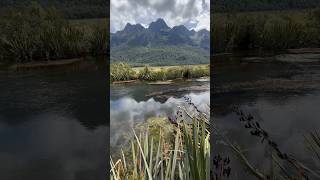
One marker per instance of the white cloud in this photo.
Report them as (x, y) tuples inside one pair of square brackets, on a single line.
[(195, 14)]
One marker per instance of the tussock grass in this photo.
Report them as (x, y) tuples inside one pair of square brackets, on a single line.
[(121, 72), (148, 73)]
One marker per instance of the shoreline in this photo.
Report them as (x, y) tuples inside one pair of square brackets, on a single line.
[(261, 52), (45, 64), (158, 75), (157, 82), (304, 50)]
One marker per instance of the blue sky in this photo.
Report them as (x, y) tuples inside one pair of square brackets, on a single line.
[(194, 14)]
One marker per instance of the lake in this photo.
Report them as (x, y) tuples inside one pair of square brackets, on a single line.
[(135, 103), (53, 123), (282, 92)]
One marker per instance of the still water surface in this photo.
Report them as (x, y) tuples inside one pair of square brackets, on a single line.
[(282, 92), (53, 123), (135, 103)]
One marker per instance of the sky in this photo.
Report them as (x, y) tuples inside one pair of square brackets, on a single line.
[(194, 14)]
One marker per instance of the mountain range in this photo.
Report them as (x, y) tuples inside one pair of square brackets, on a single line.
[(159, 44)]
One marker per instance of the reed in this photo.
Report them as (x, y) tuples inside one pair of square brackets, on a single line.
[(99, 40), (265, 30), (36, 34)]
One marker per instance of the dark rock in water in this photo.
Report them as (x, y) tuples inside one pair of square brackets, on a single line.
[(163, 96)]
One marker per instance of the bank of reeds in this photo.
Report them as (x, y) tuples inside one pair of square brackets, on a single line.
[(122, 72), (36, 34), (184, 154), (265, 30)]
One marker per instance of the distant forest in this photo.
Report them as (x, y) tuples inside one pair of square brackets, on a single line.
[(72, 9), (220, 6)]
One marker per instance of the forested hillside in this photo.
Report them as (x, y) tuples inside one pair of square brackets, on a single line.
[(261, 5), (73, 9)]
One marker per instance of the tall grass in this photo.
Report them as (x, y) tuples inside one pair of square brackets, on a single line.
[(34, 33), (99, 40), (265, 30), (186, 155), (313, 142), (147, 73), (121, 72)]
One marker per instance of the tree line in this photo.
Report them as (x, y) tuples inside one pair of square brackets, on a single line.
[(222, 6), (72, 9)]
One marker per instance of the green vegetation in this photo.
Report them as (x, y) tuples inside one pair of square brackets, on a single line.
[(167, 151), (121, 72), (75, 9), (266, 30), (35, 34), (161, 55), (261, 5), (313, 142), (124, 72)]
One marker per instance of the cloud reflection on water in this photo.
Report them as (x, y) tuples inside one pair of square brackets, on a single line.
[(126, 112), (50, 146)]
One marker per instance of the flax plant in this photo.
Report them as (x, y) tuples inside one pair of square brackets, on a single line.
[(185, 156)]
